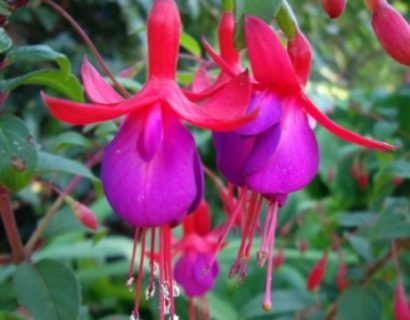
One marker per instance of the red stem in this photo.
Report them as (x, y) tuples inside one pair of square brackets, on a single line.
[(9, 221)]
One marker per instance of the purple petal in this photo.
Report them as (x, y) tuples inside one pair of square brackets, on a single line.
[(269, 107), (232, 152), (264, 146), (157, 192), (296, 159), (151, 135)]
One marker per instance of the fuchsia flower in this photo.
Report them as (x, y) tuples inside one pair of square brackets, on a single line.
[(151, 173), (392, 30), (196, 251), (195, 270), (277, 153)]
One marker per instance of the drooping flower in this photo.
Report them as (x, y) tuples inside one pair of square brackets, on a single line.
[(334, 8), (276, 153), (392, 30), (195, 271), (151, 173)]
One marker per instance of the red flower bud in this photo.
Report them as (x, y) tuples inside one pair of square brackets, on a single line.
[(341, 280), (392, 30), (279, 258), (334, 8), (317, 273), (363, 180), (303, 246), (85, 215), (401, 307), (355, 171), (397, 181), (300, 53), (331, 175)]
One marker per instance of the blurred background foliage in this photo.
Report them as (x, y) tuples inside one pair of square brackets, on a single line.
[(356, 216)]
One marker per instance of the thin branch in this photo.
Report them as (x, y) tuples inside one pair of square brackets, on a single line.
[(89, 44), (5, 259), (57, 204), (9, 221)]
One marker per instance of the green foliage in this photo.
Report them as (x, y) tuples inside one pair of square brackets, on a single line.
[(48, 290), (352, 80), (18, 153)]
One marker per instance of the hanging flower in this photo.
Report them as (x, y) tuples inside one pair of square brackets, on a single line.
[(196, 270), (151, 173)]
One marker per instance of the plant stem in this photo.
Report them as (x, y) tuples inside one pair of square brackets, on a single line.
[(57, 204), (9, 221), (89, 44), (4, 259)]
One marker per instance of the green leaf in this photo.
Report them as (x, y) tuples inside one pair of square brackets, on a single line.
[(4, 8), (400, 168), (221, 309), (5, 41), (359, 303), (283, 301), (50, 163), (362, 246), (58, 80), (48, 290), (264, 9), (39, 53), (355, 219), (18, 154), (69, 139), (190, 44)]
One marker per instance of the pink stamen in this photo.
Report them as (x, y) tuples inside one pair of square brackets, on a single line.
[(228, 227), (151, 285), (267, 303), (131, 269), (162, 299), (192, 315), (140, 275)]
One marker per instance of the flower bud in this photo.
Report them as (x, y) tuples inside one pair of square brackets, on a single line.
[(363, 180), (300, 53), (341, 281), (86, 216), (334, 8), (83, 213), (279, 258), (355, 171), (317, 273), (303, 246), (392, 30), (396, 181), (401, 308)]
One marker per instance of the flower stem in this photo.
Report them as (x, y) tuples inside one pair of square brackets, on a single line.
[(9, 221), (228, 5), (89, 44), (57, 204)]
